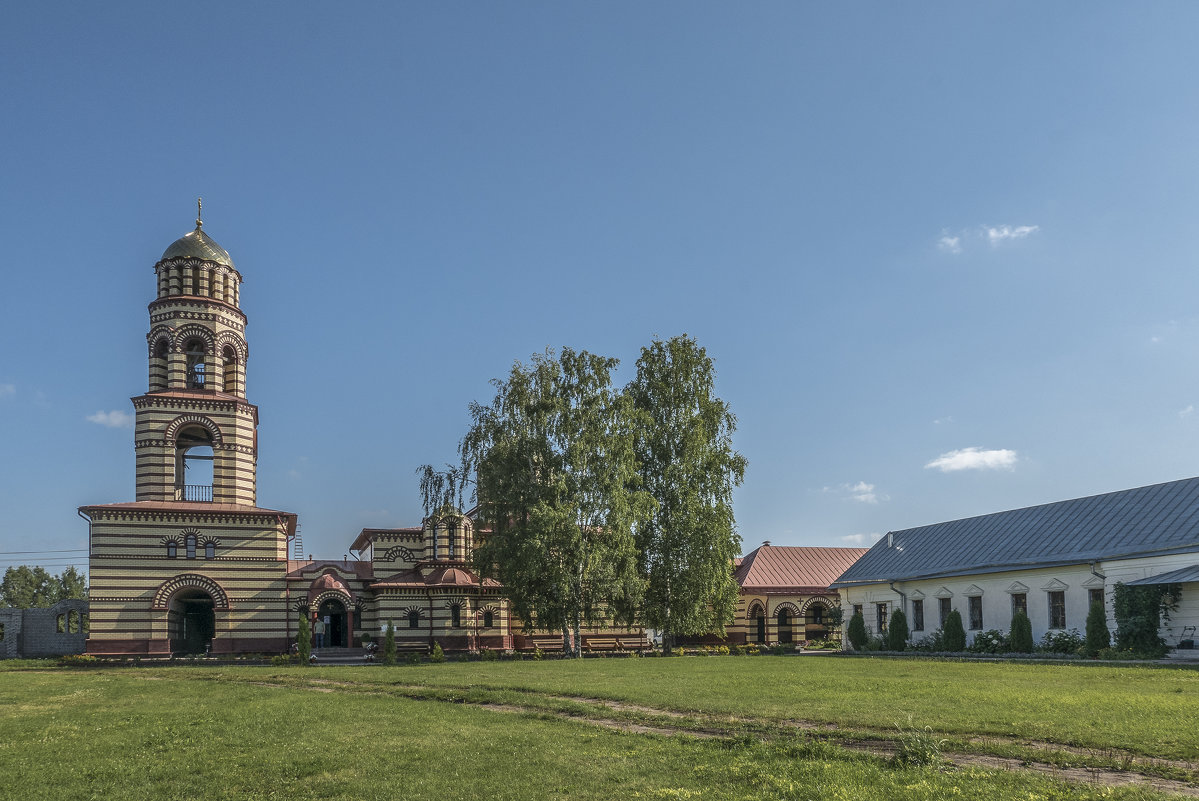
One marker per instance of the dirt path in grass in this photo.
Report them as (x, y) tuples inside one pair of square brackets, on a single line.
[(1137, 772)]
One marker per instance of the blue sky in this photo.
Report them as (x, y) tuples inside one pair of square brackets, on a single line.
[(943, 254)]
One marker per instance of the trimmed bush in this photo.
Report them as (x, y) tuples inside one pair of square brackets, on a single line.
[(1062, 642), (857, 631), (953, 633), (897, 631), (1021, 638), (991, 641), (437, 655)]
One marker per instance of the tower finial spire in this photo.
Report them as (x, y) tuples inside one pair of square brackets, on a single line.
[(199, 208)]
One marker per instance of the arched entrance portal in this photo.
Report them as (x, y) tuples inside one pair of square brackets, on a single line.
[(191, 621), (816, 622), (784, 619), (333, 612)]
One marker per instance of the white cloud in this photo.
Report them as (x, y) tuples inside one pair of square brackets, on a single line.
[(1187, 412), (1001, 233), (974, 459), (940, 421), (863, 493), (8, 390), (950, 244), (860, 539), (860, 492), (113, 419)]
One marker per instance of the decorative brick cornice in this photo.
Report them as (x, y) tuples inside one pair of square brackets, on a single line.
[(190, 581), (227, 403)]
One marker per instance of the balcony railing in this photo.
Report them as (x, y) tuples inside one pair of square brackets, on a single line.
[(197, 379), (195, 492)]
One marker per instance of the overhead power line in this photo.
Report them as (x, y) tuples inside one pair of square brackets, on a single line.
[(64, 550)]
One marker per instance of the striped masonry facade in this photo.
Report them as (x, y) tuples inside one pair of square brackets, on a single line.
[(134, 583)]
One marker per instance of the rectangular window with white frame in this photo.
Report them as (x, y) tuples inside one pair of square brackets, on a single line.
[(976, 613), (918, 615), (1019, 602), (946, 608), (1057, 609), (881, 611)]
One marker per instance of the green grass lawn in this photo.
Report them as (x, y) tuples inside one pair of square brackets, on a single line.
[(265, 733), (1146, 710)]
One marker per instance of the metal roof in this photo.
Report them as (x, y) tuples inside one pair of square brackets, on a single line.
[(1180, 576), (783, 567), (1162, 518)]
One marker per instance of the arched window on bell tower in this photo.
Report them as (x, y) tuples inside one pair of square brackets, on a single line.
[(193, 464), (229, 365), (158, 365), (197, 369)]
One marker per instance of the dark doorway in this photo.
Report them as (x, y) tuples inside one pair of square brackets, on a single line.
[(761, 627), (335, 631), (784, 625), (191, 622)]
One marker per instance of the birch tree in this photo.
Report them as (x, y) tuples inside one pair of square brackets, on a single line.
[(555, 479), (687, 464)]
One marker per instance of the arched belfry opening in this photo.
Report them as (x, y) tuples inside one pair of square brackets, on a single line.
[(194, 458), (197, 369)]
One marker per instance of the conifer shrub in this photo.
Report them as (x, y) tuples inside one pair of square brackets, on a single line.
[(953, 633), (437, 656), (857, 631), (1098, 636), (897, 631), (389, 644), (304, 640), (1020, 640)]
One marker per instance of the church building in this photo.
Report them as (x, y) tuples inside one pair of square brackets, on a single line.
[(194, 565)]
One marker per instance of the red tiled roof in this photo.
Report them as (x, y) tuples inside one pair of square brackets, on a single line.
[(405, 578), (452, 575), (297, 568), (367, 535), (788, 567), (446, 576)]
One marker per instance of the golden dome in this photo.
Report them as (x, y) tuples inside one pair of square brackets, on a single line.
[(198, 245)]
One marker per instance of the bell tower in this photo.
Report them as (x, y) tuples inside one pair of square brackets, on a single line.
[(193, 565), (196, 434)]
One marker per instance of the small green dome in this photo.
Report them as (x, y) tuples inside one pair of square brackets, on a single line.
[(197, 245)]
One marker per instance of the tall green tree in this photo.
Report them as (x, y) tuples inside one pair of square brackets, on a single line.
[(27, 587), (72, 584), (686, 461), (554, 475)]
